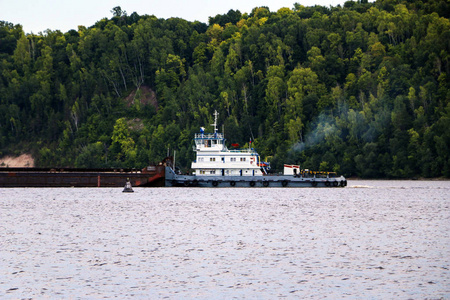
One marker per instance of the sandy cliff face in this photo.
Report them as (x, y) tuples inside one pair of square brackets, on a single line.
[(24, 160)]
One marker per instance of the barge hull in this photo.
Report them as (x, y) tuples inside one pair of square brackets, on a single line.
[(152, 176)]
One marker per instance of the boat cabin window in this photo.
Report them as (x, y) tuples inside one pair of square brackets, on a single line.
[(212, 159), (212, 172), (233, 159), (242, 158)]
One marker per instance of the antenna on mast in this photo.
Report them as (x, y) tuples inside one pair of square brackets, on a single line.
[(215, 123)]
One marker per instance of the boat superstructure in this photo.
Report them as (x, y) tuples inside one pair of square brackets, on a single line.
[(213, 158), (217, 166)]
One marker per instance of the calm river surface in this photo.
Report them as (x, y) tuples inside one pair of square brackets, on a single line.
[(371, 240)]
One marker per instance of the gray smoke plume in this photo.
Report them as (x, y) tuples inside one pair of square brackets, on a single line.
[(359, 127), (320, 130)]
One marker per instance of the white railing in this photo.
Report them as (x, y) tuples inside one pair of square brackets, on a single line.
[(208, 136), (245, 150)]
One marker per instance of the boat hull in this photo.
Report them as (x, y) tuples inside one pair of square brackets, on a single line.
[(152, 176), (175, 180)]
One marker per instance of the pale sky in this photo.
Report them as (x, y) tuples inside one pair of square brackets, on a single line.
[(38, 15)]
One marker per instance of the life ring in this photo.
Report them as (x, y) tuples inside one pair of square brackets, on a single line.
[(284, 183), (265, 183), (215, 183), (335, 183), (232, 183), (252, 183), (314, 183), (327, 183)]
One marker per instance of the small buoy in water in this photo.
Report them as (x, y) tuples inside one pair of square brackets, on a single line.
[(128, 188)]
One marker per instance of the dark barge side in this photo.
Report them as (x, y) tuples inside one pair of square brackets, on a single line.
[(151, 176)]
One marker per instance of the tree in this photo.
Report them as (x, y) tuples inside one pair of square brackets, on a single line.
[(118, 12), (123, 146)]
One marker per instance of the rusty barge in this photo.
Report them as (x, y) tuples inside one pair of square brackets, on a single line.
[(151, 176)]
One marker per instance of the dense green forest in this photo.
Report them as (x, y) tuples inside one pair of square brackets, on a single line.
[(361, 89)]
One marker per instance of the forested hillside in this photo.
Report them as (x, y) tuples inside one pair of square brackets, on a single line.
[(362, 89)]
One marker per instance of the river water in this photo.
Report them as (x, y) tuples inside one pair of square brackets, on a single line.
[(372, 240)]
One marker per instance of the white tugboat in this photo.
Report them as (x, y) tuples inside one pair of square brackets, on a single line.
[(218, 166)]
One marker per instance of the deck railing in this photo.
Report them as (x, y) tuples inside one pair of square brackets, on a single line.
[(209, 136)]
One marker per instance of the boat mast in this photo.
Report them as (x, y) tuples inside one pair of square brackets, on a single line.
[(174, 157), (215, 123)]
